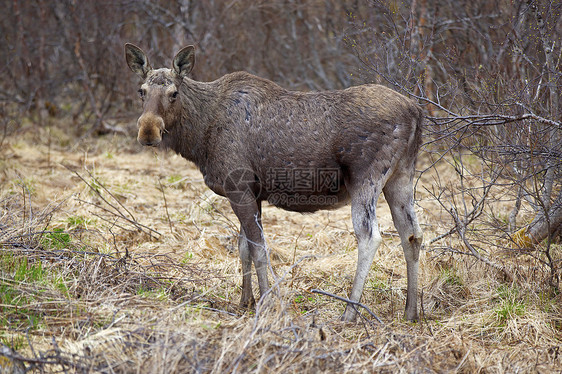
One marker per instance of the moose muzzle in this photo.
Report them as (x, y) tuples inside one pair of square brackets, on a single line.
[(151, 127)]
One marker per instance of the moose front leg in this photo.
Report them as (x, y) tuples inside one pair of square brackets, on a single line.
[(247, 300), (252, 249)]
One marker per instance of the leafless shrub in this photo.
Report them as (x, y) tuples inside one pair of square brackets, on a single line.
[(489, 79)]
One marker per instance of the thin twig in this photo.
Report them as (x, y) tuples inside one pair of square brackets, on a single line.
[(423, 314), (117, 212), (461, 231), (349, 302), (166, 206), (110, 194)]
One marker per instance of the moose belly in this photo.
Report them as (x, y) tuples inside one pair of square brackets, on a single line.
[(304, 189), (307, 203)]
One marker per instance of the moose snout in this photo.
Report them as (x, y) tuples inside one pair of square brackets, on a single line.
[(150, 129)]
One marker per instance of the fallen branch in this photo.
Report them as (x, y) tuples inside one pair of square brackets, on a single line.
[(354, 303)]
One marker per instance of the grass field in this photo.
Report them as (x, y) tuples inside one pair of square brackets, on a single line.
[(119, 259)]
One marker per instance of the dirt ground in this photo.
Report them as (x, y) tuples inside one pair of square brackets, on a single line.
[(139, 272)]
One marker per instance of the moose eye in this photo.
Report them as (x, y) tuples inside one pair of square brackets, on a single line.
[(142, 93), (173, 96)]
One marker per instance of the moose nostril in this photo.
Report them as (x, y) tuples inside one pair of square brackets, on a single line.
[(148, 144)]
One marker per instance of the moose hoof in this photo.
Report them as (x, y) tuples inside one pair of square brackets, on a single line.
[(350, 315), (248, 303), (412, 318)]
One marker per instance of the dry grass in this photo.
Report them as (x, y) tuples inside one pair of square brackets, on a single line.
[(115, 259)]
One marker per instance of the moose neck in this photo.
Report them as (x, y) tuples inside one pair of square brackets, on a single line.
[(187, 137)]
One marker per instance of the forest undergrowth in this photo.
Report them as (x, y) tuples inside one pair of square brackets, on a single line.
[(117, 259)]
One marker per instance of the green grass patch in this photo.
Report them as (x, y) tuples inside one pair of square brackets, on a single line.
[(29, 184), (510, 305), (450, 276), (187, 257), (96, 186), (378, 284), (20, 269), (28, 272), (13, 341), (173, 178), (15, 303), (56, 239), (174, 181), (160, 293), (299, 299), (79, 222)]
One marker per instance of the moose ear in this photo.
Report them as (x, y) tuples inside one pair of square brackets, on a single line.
[(184, 61), (137, 60)]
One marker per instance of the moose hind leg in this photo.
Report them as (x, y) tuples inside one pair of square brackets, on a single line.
[(363, 214), (247, 300), (399, 194)]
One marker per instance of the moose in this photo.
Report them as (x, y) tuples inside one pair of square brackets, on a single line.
[(255, 141)]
